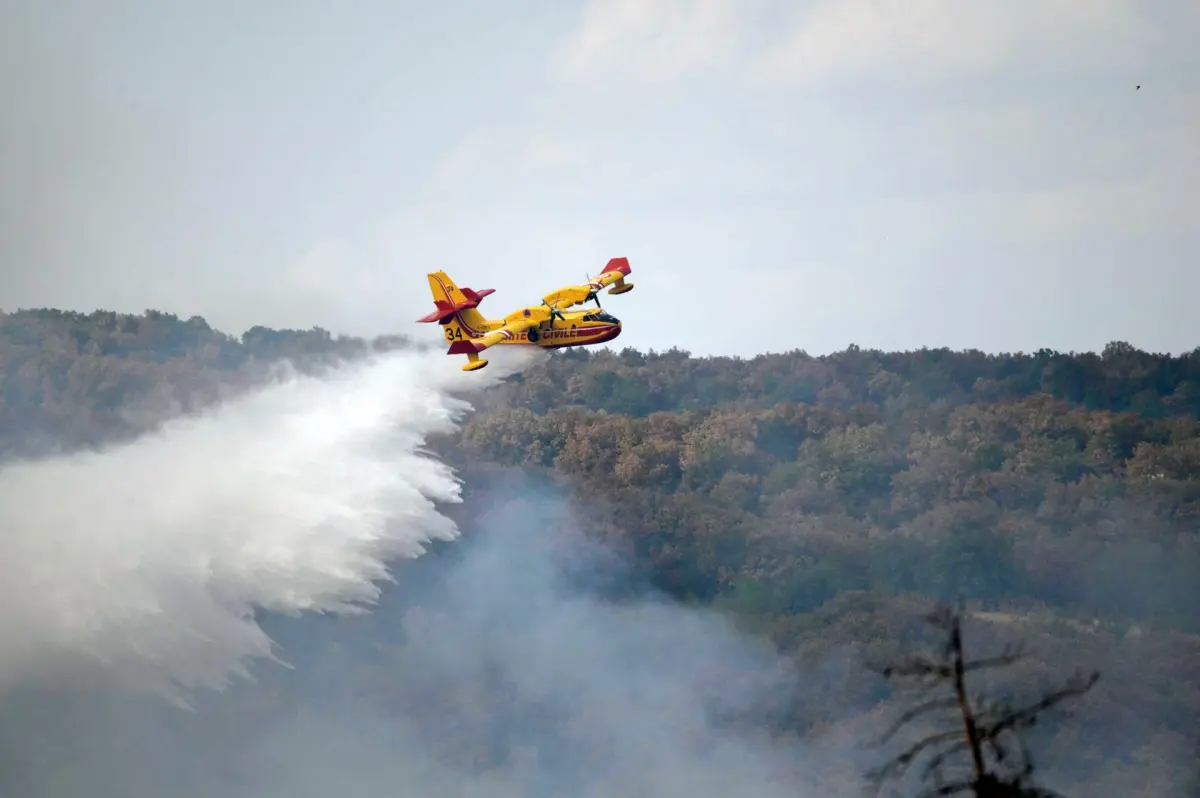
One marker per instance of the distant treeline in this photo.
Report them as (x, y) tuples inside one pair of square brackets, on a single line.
[(1119, 378)]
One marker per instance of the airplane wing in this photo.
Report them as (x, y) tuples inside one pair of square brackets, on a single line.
[(511, 329), (614, 272)]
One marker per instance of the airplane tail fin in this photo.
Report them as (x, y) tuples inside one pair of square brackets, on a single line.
[(456, 307)]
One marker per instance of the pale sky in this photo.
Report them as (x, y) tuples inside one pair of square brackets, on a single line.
[(781, 173)]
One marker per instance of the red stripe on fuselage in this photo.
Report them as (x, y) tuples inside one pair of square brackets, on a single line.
[(586, 336)]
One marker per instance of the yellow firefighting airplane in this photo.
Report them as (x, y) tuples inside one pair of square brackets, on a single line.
[(470, 332)]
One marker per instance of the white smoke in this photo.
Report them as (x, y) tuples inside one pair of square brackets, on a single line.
[(144, 564)]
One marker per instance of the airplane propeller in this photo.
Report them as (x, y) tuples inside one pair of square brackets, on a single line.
[(555, 313), (592, 293)]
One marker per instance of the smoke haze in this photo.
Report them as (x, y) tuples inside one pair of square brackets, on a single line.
[(491, 667)]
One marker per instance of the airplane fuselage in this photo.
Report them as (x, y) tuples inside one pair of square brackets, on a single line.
[(575, 328)]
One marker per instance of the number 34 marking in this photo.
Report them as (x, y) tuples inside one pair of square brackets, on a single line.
[(454, 333)]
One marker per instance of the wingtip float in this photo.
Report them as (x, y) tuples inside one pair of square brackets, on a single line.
[(548, 325)]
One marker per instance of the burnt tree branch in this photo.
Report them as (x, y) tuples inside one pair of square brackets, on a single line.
[(988, 733)]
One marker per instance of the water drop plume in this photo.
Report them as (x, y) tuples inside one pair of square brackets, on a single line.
[(145, 563)]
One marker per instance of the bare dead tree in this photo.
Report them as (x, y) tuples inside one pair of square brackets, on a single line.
[(986, 740)]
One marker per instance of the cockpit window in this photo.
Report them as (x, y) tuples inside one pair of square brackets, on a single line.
[(602, 316)]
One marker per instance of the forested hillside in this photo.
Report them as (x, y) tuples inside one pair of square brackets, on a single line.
[(819, 500), (795, 478)]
